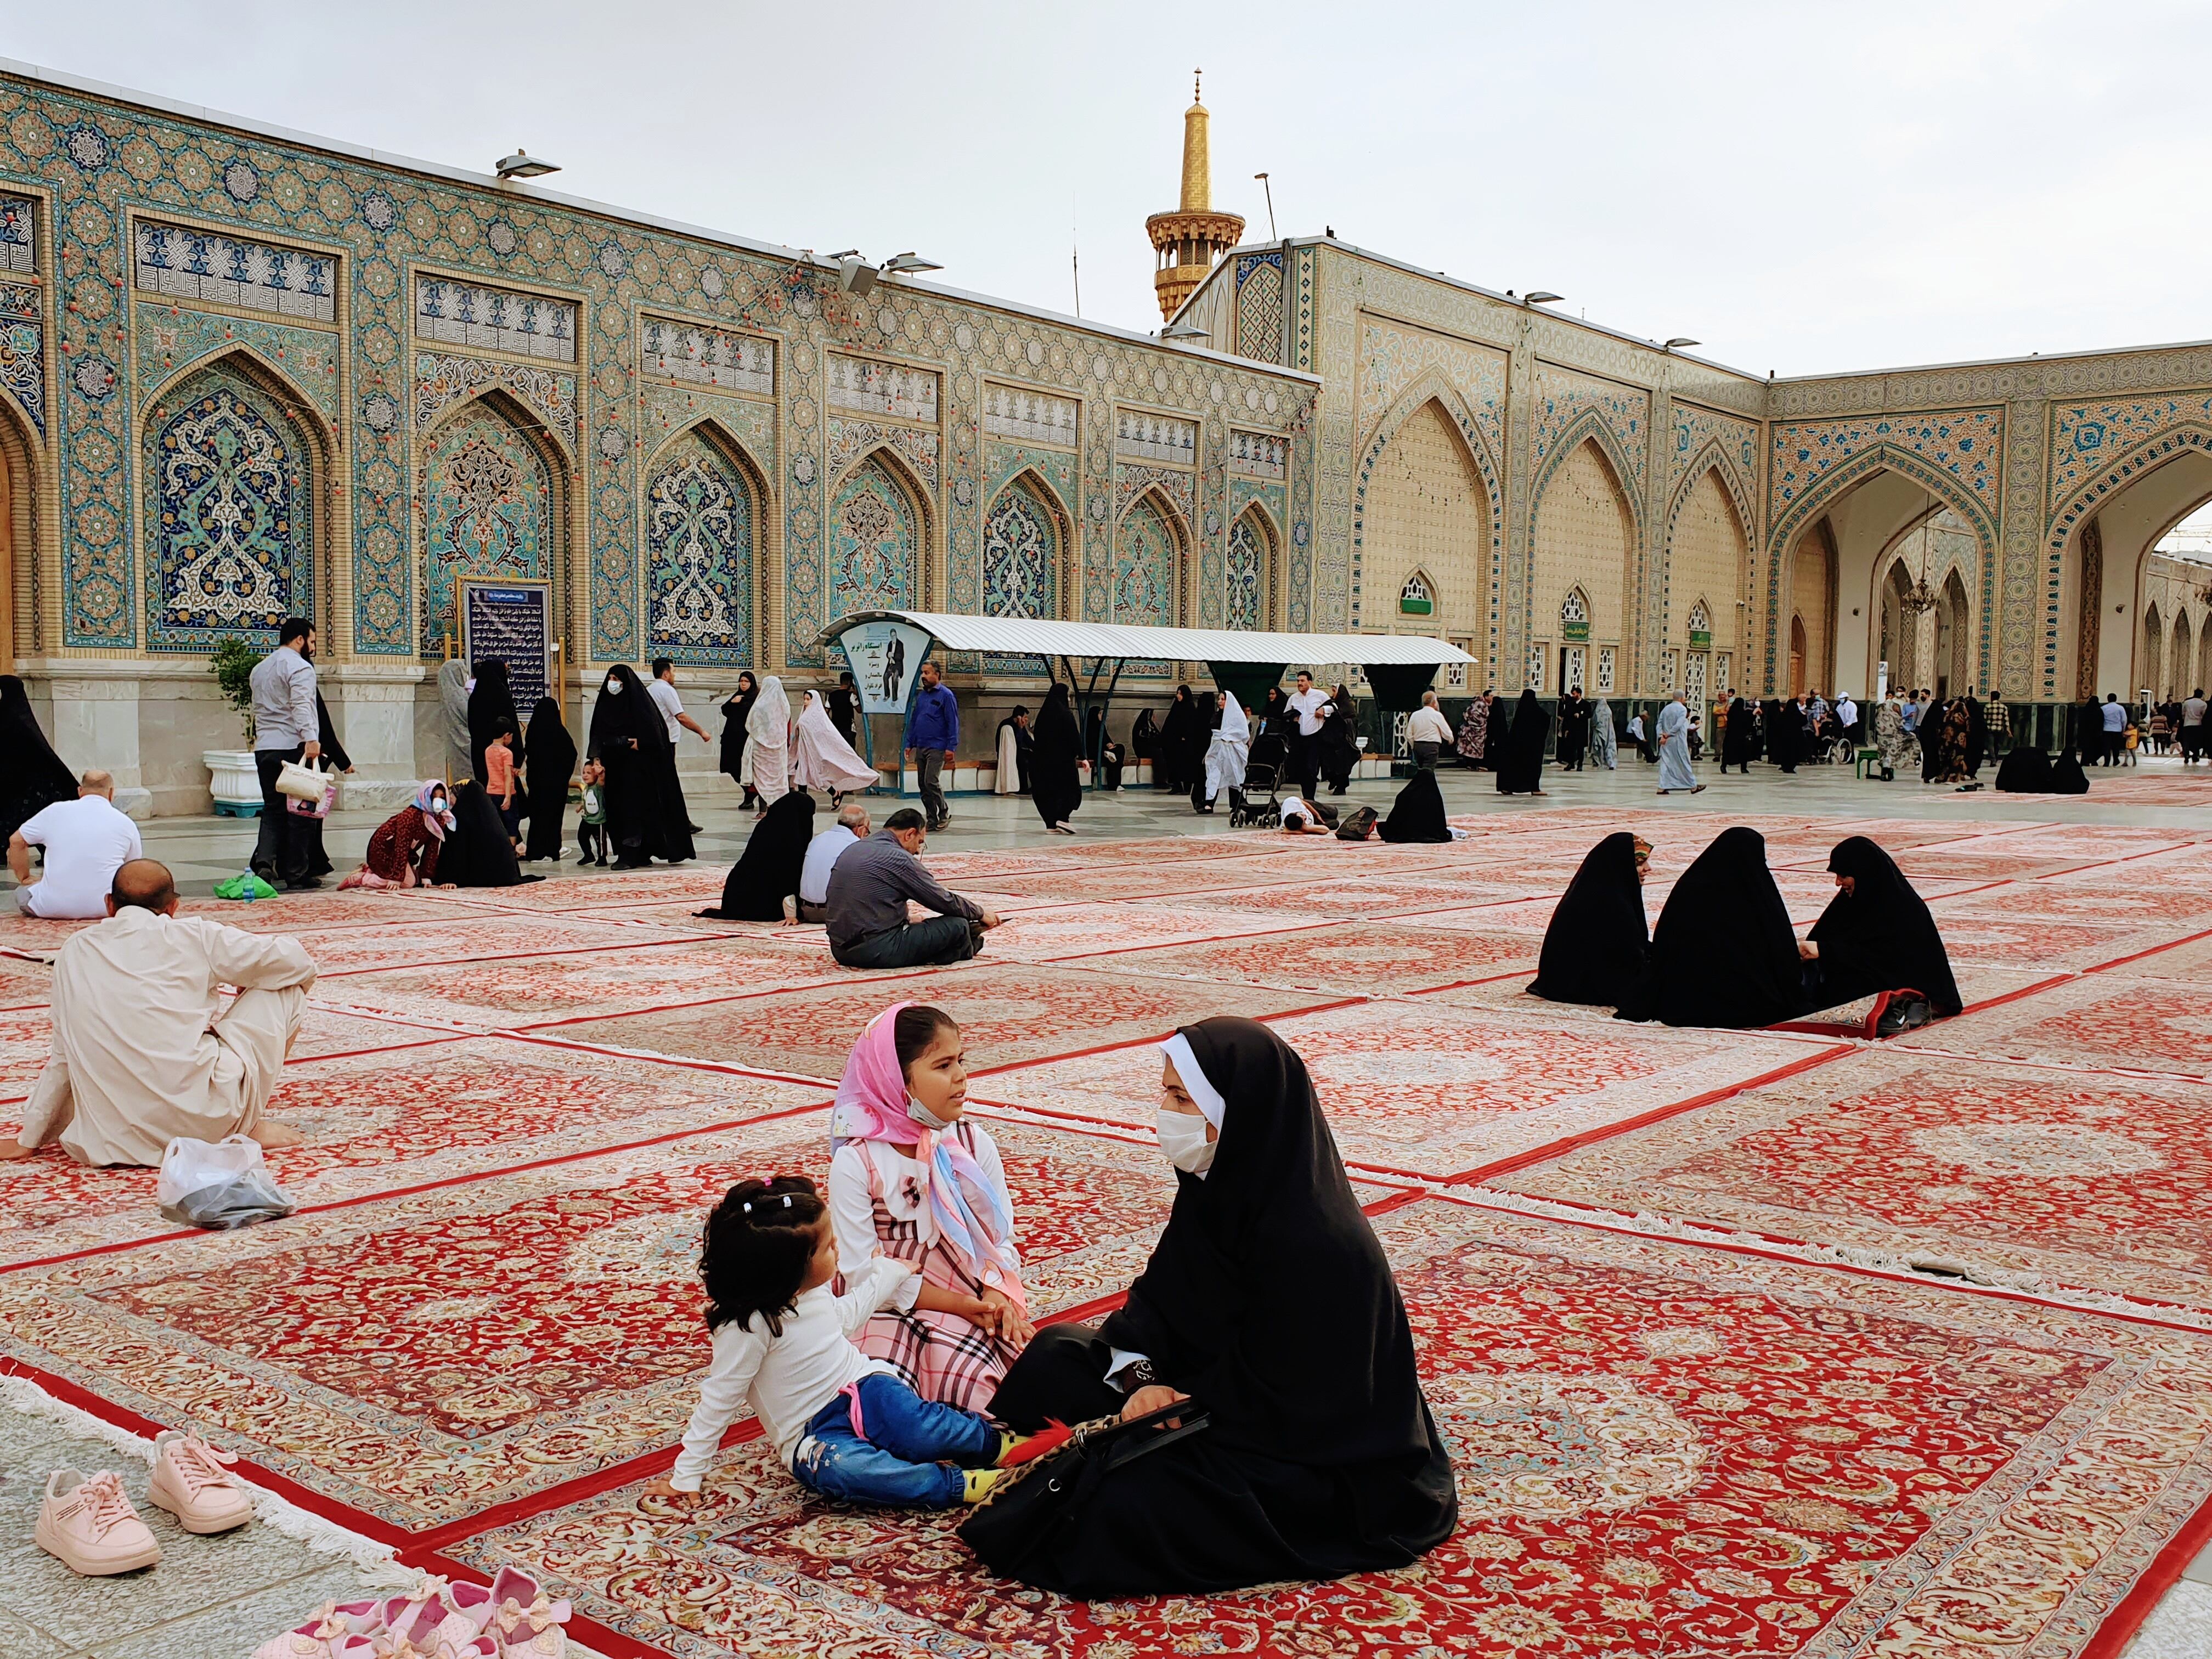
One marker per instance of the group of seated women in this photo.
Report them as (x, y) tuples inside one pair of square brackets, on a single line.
[(1724, 953)]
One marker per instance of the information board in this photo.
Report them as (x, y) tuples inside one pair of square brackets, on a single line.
[(511, 621), (886, 657)]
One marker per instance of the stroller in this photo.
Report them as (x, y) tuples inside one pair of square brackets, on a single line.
[(1263, 774)]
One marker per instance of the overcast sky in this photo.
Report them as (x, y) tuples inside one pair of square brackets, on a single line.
[(1801, 188)]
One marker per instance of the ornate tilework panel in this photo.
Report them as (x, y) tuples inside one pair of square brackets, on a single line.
[(23, 350), (1259, 455), (1021, 555), (1246, 573), (1139, 436), (229, 508), (1568, 405), (875, 544), (850, 440), (487, 510), (1260, 307), (1392, 359), (494, 319), (700, 551), (18, 248), (698, 355), (1027, 416), (1735, 442), (171, 337), (1144, 568), (1130, 481), (1955, 451), (668, 410), (2089, 440), (181, 263), (443, 379), (868, 387), (1056, 466)]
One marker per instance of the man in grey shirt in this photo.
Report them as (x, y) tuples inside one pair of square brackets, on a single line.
[(286, 727), (869, 887), (2192, 726)]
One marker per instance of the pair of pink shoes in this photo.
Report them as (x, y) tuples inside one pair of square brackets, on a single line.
[(511, 1621), (89, 1523)]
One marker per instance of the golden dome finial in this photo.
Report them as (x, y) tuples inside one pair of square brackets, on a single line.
[(1195, 98)]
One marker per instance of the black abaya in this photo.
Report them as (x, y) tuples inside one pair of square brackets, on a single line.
[(1977, 736), (2024, 771), (1723, 953), (1741, 734), (477, 852), (1055, 785), (32, 776), (1784, 733), (1521, 767), (1494, 732), (767, 871), (1880, 936), (550, 761), (1340, 743), (1597, 944), (734, 710), (491, 711), (1418, 814), (629, 737), (334, 759), (1268, 1302), (2067, 777)]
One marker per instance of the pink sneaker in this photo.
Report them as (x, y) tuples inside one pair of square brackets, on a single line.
[(89, 1526), (192, 1480), (319, 1639), (533, 1631)]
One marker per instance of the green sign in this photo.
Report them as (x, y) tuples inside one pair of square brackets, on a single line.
[(1575, 633), (1411, 606), (1701, 638)]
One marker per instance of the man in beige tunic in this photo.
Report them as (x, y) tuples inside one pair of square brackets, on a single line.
[(139, 1055)]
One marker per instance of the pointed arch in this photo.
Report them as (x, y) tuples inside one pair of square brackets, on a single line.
[(492, 489), (512, 384), (879, 537), (1581, 535), (238, 490), (707, 518), (1152, 563), (1431, 387), (22, 628), (1250, 570), (1713, 457), (1027, 569), (1712, 461), (1591, 427)]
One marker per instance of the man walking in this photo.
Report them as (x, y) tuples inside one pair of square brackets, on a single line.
[(1306, 703), (2192, 726), (1574, 730), (2115, 714), (285, 728), (933, 732), (1428, 733)]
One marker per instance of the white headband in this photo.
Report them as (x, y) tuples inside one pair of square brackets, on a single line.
[(1195, 1081)]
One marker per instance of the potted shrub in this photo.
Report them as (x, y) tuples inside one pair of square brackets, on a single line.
[(233, 780)]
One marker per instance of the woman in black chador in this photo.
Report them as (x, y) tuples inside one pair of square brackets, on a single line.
[(1521, 766), (645, 821), (550, 761), (1723, 953), (1595, 948), (491, 711), (1418, 814), (1877, 934), (32, 776), (477, 852), (1339, 741), (1055, 785), (1268, 1304), (739, 704), (767, 872), (1183, 738), (2024, 771)]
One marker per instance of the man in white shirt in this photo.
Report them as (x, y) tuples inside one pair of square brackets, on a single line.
[(2192, 726), (2116, 728), (287, 726), (1847, 712), (140, 1056), (86, 841), (1429, 732), (822, 853), (1306, 703), (662, 689)]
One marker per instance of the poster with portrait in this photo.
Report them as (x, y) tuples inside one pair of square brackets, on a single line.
[(886, 657)]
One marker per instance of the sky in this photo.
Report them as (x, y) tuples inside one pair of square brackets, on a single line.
[(1927, 182)]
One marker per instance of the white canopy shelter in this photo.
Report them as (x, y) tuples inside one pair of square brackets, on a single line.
[(1115, 641)]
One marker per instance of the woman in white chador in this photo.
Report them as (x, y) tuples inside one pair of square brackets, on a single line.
[(1226, 753), (768, 741), (820, 757)]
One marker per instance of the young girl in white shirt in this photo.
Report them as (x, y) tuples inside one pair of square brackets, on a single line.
[(845, 1424)]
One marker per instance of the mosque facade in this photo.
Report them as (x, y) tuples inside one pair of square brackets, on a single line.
[(246, 373)]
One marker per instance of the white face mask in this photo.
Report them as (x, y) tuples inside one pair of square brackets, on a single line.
[(1183, 1138), (928, 1119), (614, 688)]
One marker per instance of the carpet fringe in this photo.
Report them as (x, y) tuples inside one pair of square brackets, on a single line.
[(1928, 1265), (378, 1568)]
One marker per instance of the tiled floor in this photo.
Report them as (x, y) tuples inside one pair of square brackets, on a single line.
[(477, 1336)]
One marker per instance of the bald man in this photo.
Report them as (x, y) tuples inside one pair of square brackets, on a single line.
[(139, 1055)]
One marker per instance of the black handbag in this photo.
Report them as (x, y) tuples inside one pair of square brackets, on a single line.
[(1026, 1511)]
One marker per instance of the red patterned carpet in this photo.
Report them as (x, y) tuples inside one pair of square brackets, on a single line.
[(1760, 1343)]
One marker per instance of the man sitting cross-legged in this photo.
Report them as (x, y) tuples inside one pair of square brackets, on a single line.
[(812, 901), (867, 894), (139, 1056)]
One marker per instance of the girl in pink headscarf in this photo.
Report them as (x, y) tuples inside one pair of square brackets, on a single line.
[(912, 1179)]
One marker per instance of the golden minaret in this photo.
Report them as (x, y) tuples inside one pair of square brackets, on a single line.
[(1189, 239)]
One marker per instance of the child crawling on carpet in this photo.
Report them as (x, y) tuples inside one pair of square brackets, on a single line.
[(847, 1427)]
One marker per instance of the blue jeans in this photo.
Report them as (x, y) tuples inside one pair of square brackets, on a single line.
[(898, 1464)]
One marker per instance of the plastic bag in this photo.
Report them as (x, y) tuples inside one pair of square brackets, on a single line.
[(219, 1185), (234, 887), (319, 807)]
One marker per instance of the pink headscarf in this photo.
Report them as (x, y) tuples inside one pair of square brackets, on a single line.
[(970, 1215)]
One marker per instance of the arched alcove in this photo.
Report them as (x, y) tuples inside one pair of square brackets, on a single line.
[(1248, 572), (1584, 538), (492, 502), (1024, 560), (878, 539), (703, 560), (1148, 551)]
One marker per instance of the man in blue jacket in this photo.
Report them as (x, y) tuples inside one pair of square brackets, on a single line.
[(933, 732)]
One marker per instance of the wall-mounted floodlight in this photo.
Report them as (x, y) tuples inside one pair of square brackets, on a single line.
[(1680, 340), (523, 165), (1184, 332), (855, 274), (907, 263), (1541, 297)]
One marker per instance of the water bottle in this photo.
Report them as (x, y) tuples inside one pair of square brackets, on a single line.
[(250, 883)]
